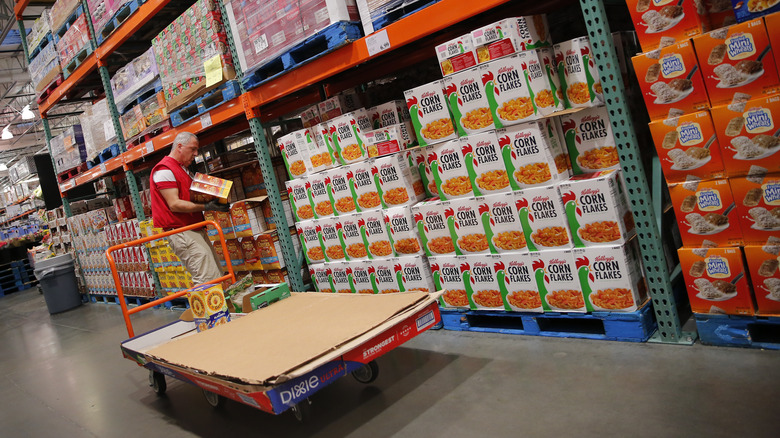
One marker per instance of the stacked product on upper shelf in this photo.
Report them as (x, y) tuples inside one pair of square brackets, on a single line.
[(68, 149), (99, 133), (40, 34), (45, 70), (72, 40), (713, 100)]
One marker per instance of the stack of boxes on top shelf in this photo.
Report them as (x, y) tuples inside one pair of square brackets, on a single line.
[(713, 101), (68, 149), (98, 130), (71, 34), (493, 137), (45, 62)]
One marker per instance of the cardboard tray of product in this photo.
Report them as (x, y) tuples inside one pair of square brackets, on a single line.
[(298, 345)]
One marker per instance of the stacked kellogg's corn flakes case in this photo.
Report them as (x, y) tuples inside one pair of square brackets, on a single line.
[(493, 137), (713, 100)]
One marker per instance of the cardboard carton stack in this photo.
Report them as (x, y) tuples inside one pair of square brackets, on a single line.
[(45, 68), (713, 100), (73, 41)]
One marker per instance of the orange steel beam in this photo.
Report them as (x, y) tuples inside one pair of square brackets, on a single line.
[(145, 12), (422, 23), (117, 282), (19, 8)]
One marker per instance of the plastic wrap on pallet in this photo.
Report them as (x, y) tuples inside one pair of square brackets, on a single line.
[(61, 11), (264, 30), (45, 67), (39, 30), (133, 77), (74, 39), (93, 121), (101, 12), (185, 48), (68, 148), (153, 109), (133, 122)]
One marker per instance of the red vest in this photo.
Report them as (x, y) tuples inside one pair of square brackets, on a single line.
[(162, 216)]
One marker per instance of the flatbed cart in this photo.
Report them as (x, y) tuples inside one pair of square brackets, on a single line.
[(356, 356)]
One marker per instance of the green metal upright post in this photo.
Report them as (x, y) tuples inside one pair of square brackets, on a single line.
[(23, 33), (656, 273), (292, 261)]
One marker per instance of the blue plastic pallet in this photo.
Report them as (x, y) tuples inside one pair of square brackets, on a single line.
[(214, 98), (739, 331), (77, 60), (105, 299), (395, 13), (614, 326), (105, 155), (68, 23), (127, 10), (324, 42), (144, 93), (47, 39)]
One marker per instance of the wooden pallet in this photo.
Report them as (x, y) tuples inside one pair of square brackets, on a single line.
[(614, 326), (71, 173), (77, 60), (739, 331), (46, 92)]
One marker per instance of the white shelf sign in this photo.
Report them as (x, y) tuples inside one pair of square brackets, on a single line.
[(149, 147), (377, 42), (205, 120)]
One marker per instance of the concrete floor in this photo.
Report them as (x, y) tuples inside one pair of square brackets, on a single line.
[(63, 375)]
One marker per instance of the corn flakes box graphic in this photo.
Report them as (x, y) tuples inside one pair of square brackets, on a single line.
[(403, 231), (385, 275), (208, 305), (419, 157), (450, 170), (329, 239), (589, 139), (319, 274), (456, 55), (322, 137), (432, 228), (517, 284), (596, 208), (467, 219), (363, 186), (300, 202), (347, 139), (295, 154), (339, 192), (543, 84), (310, 241), (468, 103), (348, 229), (507, 91), (510, 35), (389, 140), (319, 197), (415, 274), (758, 207), (447, 273), (388, 114), (503, 230), (763, 261), (482, 282), (555, 275), (339, 275), (716, 281), (359, 277), (611, 277), (430, 114), (374, 233), (577, 73), (485, 163), (532, 155), (543, 219), (398, 184), (705, 211)]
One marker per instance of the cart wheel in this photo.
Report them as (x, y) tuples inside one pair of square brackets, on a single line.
[(215, 400), (157, 382), (302, 410), (367, 373)]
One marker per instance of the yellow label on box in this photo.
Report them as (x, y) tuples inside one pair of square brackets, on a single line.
[(213, 69)]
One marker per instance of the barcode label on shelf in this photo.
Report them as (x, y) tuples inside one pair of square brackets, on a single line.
[(205, 120), (377, 43), (149, 147)]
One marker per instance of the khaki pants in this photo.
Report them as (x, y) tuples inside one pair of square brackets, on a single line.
[(196, 254)]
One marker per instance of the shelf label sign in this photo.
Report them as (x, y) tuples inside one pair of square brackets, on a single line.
[(213, 69), (149, 147), (377, 42), (102, 167), (205, 120)]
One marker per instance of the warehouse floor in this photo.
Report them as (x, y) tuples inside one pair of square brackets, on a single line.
[(63, 375)]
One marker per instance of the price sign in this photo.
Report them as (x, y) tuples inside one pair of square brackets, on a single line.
[(149, 147), (377, 43), (205, 120), (103, 168)]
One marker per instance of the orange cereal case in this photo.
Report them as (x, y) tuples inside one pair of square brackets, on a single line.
[(240, 218), (688, 147), (670, 79), (705, 212), (236, 254), (758, 207), (772, 23), (747, 134), (716, 280), (665, 21), (737, 59), (763, 264)]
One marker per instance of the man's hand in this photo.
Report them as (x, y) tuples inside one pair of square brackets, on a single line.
[(216, 206)]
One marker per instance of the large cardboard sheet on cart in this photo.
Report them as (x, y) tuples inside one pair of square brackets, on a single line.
[(264, 346)]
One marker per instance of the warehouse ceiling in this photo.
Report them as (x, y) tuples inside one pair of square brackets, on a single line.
[(16, 91)]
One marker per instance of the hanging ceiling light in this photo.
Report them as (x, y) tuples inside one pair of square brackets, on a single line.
[(6, 134), (27, 114)]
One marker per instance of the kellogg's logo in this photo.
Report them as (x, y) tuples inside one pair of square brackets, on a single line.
[(690, 134), (771, 193), (717, 267), (758, 120), (740, 46), (672, 66), (661, 2), (709, 200)]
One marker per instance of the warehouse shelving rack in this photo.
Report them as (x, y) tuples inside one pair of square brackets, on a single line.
[(324, 77)]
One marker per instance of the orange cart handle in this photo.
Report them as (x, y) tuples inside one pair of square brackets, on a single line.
[(120, 293)]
